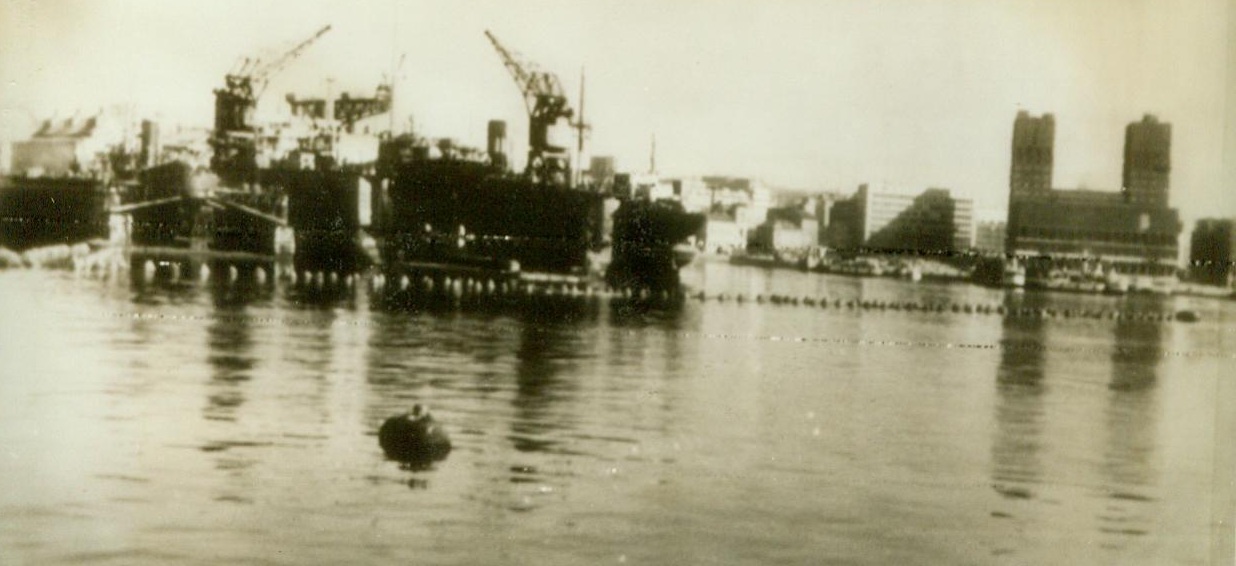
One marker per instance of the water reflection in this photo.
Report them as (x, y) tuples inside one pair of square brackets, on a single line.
[(553, 336), (1019, 404), (1128, 467), (229, 354)]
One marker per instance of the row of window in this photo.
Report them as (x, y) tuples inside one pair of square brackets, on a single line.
[(1128, 238)]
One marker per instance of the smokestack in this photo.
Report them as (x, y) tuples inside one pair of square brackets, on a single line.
[(496, 144), (150, 144)]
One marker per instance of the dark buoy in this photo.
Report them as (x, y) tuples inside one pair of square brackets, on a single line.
[(414, 437), (1187, 316)]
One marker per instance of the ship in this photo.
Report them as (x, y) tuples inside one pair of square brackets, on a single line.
[(46, 211), (262, 182), (446, 212), (60, 182), (433, 210)]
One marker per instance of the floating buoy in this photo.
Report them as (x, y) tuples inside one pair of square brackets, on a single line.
[(414, 437)]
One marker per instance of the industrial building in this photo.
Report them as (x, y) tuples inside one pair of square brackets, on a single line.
[(1132, 230)]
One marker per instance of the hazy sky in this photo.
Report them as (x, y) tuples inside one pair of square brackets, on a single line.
[(820, 94)]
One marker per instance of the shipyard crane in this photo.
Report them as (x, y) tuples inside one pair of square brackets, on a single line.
[(546, 104), (244, 85), (234, 157), (251, 78)]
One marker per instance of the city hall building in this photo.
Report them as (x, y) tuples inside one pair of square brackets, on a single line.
[(1132, 230)]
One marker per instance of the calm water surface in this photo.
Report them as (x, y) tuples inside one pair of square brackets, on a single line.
[(213, 424)]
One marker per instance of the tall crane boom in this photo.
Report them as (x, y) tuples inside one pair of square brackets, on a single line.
[(546, 104), (532, 82), (261, 74)]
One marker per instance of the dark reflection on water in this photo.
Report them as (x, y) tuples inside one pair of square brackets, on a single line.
[(1128, 466), (549, 342), (1019, 403), (231, 358)]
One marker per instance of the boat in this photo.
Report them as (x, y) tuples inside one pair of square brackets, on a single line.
[(755, 259), (454, 211), (433, 209), (271, 188), (446, 212), (1014, 275), (647, 240), (45, 211), (60, 182), (1115, 284)]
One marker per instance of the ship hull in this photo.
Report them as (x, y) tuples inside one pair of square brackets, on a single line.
[(645, 238), (448, 214), (457, 212), (324, 213), (172, 217), (38, 212)]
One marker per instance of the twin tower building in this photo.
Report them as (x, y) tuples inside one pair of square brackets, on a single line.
[(1132, 230)]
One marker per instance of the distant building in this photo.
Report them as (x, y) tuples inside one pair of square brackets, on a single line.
[(748, 198), (989, 237), (791, 228), (1147, 162), (1033, 153), (72, 146), (963, 224), (722, 234), (820, 206), (931, 222), (1132, 230), (694, 194), (1212, 251)]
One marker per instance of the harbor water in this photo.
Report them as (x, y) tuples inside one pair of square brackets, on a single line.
[(223, 423)]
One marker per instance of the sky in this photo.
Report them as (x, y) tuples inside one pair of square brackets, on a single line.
[(815, 95)]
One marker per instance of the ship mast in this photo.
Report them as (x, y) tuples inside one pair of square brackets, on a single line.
[(581, 129)]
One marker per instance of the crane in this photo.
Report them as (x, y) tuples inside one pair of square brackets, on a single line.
[(246, 83), (546, 103), (251, 78), (234, 149)]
